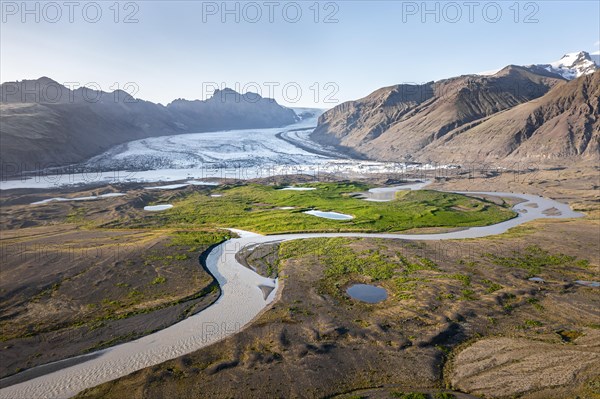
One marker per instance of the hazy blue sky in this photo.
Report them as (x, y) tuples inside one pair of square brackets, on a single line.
[(179, 49)]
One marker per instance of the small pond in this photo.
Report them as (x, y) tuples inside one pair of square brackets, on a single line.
[(92, 197), (330, 215), (537, 280), (367, 293), (297, 189), (156, 208), (182, 185)]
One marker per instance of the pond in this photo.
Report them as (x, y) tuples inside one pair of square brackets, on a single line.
[(182, 185), (92, 197), (156, 208), (297, 189), (367, 293), (537, 279), (330, 215)]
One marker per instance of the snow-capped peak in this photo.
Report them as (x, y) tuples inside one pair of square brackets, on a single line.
[(572, 65)]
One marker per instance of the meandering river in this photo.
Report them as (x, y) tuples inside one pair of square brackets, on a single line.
[(241, 301)]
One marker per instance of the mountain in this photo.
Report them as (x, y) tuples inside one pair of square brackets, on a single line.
[(515, 114), (561, 127), (227, 109), (572, 65), (398, 122), (46, 124)]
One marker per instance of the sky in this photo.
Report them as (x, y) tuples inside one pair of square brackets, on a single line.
[(304, 53)]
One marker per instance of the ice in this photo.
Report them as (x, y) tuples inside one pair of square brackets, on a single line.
[(249, 147), (235, 154)]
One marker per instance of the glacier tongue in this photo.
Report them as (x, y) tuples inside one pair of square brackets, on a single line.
[(252, 147), (234, 154)]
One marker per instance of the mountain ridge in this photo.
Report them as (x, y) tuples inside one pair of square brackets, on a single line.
[(570, 66), (512, 109), (44, 123)]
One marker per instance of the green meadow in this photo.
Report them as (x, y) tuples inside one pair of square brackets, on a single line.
[(256, 207)]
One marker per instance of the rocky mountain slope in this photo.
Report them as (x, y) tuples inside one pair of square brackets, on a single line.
[(46, 124), (561, 127), (516, 114)]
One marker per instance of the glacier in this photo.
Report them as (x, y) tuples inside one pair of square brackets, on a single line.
[(232, 154)]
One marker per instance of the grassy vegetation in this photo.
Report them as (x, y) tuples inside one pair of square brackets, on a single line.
[(256, 207), (400, 274), (159, 280), (409, 276), (419, 395), (408, 395), (196, 240), (569, 335), (535, 260), (491, 286), (339, 259)]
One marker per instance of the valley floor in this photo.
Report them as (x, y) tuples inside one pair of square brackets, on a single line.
[(454, 305)]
